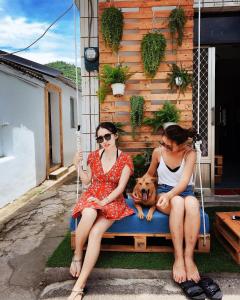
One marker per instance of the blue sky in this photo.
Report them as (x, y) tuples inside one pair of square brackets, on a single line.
[(23, 21)]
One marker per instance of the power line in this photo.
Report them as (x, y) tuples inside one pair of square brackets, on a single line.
[(58, 18)]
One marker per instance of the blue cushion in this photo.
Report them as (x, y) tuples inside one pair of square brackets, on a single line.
[(132, 224)]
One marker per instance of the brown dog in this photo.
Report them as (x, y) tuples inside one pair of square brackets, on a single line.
[(144, 193)]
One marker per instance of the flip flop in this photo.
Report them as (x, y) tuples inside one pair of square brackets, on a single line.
[(192, 290), (211, 288)]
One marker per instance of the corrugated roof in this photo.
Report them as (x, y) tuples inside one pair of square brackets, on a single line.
[(34, 69), (29, 64)]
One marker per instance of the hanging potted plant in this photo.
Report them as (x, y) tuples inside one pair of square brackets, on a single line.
[(177, 21), (153, 47), (136, 114), (112, 27), (179, 78), (115, 78), (169, 113)]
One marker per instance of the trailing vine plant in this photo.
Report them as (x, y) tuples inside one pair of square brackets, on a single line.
[(169, 113), (136, 114), (153, 47), (112, 27), (179, 78), (177, 21)]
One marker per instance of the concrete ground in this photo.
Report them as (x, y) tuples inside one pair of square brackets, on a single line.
[(32, 228)]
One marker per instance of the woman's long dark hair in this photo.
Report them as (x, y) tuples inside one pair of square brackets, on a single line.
[(107, 125), (178, 134)]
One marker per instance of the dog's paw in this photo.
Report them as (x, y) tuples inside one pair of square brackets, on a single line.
[(149, 217), (141, 216)]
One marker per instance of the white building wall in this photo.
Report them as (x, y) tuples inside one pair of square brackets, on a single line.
[(23, 140), (69, 134)]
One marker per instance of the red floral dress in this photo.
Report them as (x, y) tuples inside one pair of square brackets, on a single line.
[(102, 185)]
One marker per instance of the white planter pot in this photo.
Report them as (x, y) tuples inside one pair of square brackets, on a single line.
[(178, 81), (118, 89)]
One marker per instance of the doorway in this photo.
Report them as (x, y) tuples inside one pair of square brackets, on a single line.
[(53, 128), (227, 117)]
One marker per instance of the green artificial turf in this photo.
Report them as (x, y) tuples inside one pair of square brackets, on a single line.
[(218, 260)]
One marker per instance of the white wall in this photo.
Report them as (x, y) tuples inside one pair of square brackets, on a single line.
[(90, 102), (69, 134), (22, 105)]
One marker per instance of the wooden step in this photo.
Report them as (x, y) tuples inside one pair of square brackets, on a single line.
[(228, 246), (218, 160), (218, 178), (228, 233), (58, 173), (143, 242), (218, 170)]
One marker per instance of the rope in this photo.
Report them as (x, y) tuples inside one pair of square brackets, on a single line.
[(199, 142)]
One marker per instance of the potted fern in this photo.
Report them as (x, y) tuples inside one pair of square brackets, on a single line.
[(153, 48), (169, 113), (112, 27), (136, 114), (115, 78), (177, 21), (179, 78)]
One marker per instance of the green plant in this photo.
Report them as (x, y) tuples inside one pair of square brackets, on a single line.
[(153, 47), (136, 114), (110, 75), (169, 113), (118, 74), (112, 27), (177, 21), (179, 74)]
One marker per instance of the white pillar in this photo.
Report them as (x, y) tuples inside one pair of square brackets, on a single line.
[(89, 100)]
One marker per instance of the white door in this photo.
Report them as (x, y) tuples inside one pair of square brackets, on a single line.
[(205, 110)]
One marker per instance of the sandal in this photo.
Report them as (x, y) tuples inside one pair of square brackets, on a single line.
[(211, 288), (75, 264), (80, 292), (192, 290)]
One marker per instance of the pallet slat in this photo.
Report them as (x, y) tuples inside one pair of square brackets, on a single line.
[(140, 243)]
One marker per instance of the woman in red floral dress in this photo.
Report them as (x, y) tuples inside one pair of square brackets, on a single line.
[(101, 204)]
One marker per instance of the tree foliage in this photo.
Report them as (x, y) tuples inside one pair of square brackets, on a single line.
[(68, 70)]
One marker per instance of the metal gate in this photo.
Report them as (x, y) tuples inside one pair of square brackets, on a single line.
[(206, 113)]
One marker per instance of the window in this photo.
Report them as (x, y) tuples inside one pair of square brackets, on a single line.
[(5, 138), (73, 116)]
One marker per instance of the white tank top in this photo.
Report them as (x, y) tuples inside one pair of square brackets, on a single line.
[(165, 176)]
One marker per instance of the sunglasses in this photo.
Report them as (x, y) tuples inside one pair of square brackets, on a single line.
[(106, 137), (169, 147)]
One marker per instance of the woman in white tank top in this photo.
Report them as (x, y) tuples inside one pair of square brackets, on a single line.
[(174, 163)]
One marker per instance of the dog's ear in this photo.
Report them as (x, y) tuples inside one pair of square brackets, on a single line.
[(154, 179)]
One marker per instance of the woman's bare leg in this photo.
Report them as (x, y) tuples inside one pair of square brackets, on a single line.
[(176, 227), (88, 218), (191, 231), (92, 252)]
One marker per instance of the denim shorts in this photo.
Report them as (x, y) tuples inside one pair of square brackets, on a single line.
[(164, 188)]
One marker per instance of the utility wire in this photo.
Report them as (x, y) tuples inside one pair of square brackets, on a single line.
[(58, 18)]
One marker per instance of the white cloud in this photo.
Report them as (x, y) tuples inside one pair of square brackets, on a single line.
[(17, 33)]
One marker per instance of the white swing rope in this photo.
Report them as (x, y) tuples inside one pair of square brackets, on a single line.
[(78, 134), (199, 142)]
